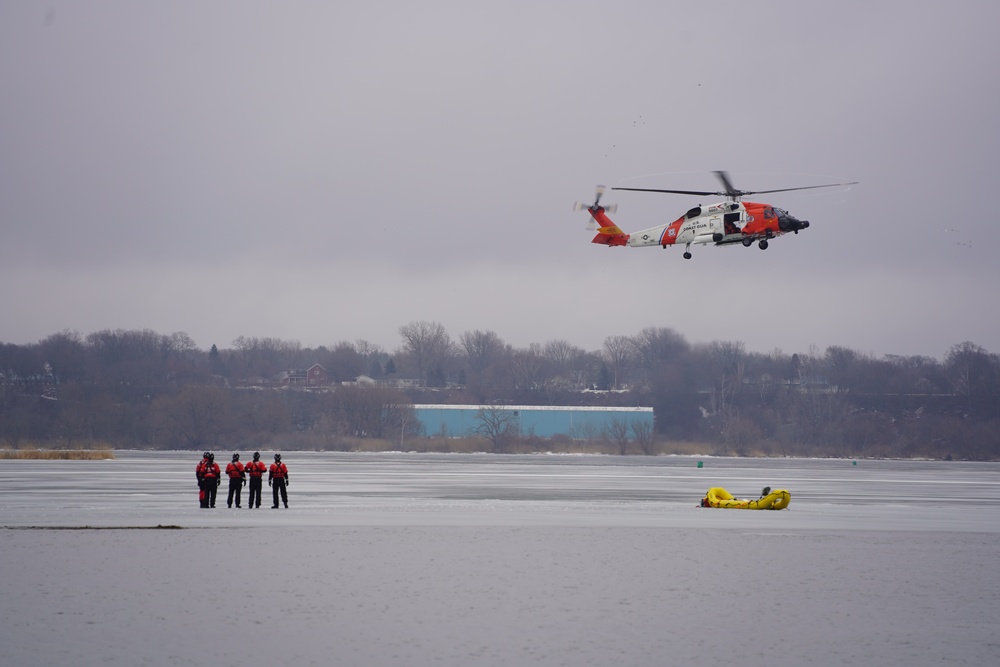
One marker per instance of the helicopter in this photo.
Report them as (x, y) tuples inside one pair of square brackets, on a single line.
[(726, 223)]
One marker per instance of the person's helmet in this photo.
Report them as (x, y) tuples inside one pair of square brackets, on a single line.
[(236, 457), (205, 455), (256, 456), (277, 457), (211, 456)]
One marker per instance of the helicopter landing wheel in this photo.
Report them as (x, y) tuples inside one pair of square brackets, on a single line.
[(687, 255), (747, 242), (762, 245)]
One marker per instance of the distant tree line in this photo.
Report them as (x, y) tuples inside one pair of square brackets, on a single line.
[(139, 388)]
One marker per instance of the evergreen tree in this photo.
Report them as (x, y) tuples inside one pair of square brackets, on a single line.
[(604, 378), (215, 362)]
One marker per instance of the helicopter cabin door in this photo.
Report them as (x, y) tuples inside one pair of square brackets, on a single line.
[(732, 222), (715, 225)]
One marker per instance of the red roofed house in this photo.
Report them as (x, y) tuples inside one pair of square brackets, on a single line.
[(312, 376)]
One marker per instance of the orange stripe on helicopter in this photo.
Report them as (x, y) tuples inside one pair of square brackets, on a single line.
[(669, 235)]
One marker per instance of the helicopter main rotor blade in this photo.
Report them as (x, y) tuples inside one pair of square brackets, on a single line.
[(674, 192), (807, 187), (730, 191), (733, 192)]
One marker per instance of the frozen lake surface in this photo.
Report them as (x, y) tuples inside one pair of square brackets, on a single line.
[(423, 559)]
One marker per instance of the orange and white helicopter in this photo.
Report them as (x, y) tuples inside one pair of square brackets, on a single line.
[(725, 223)]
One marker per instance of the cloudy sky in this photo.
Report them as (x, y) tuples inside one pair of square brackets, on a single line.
[(328, 171)]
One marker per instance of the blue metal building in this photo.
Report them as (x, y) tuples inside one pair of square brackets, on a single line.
[(581, 423)]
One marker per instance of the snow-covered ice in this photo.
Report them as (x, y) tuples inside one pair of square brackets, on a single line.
[(423, 559)]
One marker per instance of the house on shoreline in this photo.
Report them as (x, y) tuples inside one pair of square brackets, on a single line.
[(313, 376)]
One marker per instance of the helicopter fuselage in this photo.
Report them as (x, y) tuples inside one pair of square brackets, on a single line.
[(720, 224)]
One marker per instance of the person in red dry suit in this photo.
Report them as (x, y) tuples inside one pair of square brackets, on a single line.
[(237, 478), (211, 475), (199, 471), (255, 469), (278, 474)]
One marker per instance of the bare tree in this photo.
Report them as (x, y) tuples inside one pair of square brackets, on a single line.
[(368, 349), (560, 354), (527, 368), (344, 362), (972, 371), (128, 357), (66, 352), (371, 413), (195, 417), (179, 345), (482, 348), (570, 366), (642, 433), (498, 425), (618, 351), (401, 419), (374, 357), (730, 366), (265, 357), (428, 344), (617, 433), (659, 353), (839, 362), (656, 345), (484, 353), (260, 416), (738, 433)]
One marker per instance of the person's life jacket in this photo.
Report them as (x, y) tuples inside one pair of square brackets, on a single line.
[(279, 471), (199, 470), (211, 470), (234, 470), (256, 468)]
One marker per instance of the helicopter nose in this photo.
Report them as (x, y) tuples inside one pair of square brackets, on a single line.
[(789, 223)]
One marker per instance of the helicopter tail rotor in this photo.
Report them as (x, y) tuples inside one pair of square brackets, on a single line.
[(608, 233), (580, 206)]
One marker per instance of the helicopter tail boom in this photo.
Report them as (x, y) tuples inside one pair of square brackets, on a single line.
[(608, 232)]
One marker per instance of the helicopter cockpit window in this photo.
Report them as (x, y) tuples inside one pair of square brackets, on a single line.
[(768, 212)]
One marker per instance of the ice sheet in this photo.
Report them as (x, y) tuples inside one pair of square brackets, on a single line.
[(406, 559)]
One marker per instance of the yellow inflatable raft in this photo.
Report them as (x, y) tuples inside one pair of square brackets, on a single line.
[(775, 500)]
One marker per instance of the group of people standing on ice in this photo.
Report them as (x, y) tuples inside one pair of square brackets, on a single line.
[(210, 477)]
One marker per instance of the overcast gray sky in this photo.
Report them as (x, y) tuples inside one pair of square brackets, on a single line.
[(328, 171)]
